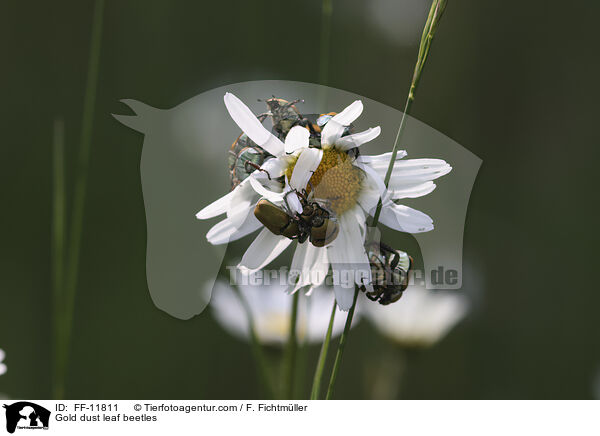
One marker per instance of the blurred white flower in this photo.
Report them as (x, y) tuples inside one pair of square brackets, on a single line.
[(420, 318), (271, 309), (2, 365)]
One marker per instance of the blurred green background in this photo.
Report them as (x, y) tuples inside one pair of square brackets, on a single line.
[(514, 82)]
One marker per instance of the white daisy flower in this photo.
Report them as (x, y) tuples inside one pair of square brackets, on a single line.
[(2, 365), (348, 187), (270, 307), (422, 318)]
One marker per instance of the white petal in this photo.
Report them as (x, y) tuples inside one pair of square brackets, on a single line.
[(412, 190), (379, 163), (217, 207), (417, 170), (299, 264), (334, 129), (273, 168), (410, 179), (404, 218), (350, 113), (343, 284), (230, 230), (397, 217), (296, 138), (292, 200), (241, 196), (373, 177), (299, 259), (407, 171), (310, 265), (263, 250), (349, 260), (306, 165), (381, 159), (2, 354), (320, 266), (357, 139), (373, 187), (355, 253), (344, 297), (273, 197), (251, 126), (359, 216), (243, 200)]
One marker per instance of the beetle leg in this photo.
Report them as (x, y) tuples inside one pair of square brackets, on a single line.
[(302, 237), (256, 167), (291, 104), (386, 247), (373, 296), (287, 205), (389, 250), (395, 260), (264, 116)]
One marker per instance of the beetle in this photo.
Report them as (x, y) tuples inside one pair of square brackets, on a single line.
[(389, 270), (314, 223), (284, 114), (244, 158)]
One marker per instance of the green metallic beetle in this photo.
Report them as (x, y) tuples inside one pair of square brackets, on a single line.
[(244, 158), (314, 223), (389, 271)]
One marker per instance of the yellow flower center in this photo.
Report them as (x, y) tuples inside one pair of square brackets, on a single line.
[(336, 180)]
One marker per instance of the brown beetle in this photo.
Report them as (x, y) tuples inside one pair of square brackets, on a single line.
[(314, 223)]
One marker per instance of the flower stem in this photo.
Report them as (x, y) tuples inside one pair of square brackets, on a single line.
[(290, 355), (69, 284), (433, 19), (388, 174), (341, 345), (257, 350), (316, 387)]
